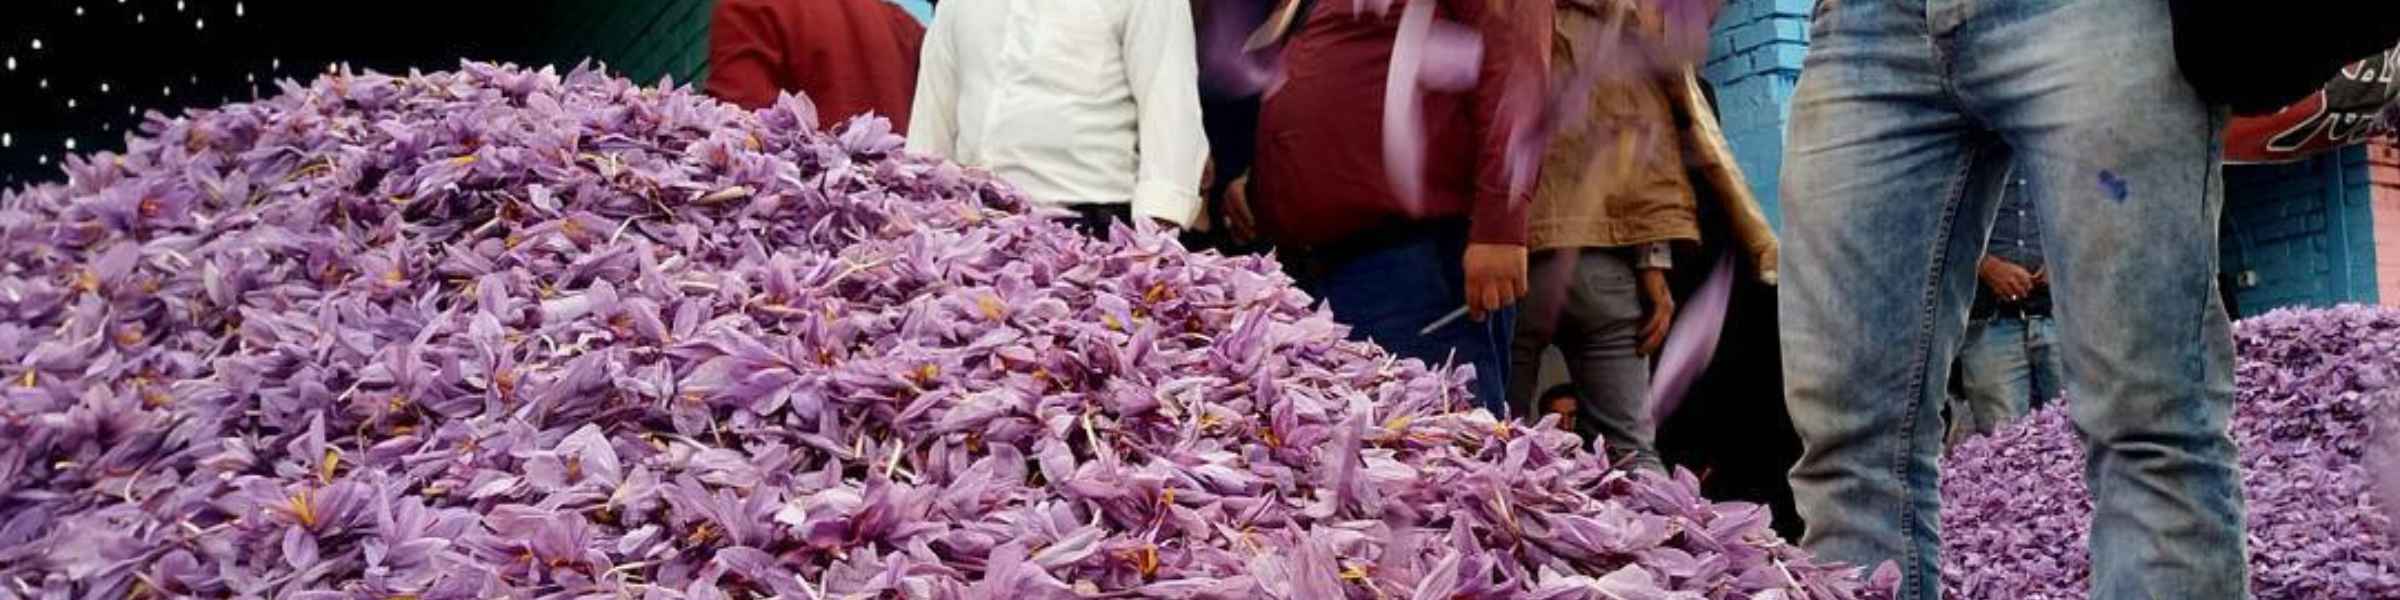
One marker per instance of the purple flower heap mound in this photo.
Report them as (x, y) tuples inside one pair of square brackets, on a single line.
[(500, 333), (2313, 386)]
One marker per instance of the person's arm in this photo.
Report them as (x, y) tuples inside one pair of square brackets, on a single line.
[(1653, 260), (745, 53), (1511, 83), (1165, 77), (933, 117), (1510, 87)]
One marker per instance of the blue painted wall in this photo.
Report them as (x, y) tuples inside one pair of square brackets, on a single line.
[(1754, 61), (2303, 232)]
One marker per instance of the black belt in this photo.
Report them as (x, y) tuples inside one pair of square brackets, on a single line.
[(1320, 258)]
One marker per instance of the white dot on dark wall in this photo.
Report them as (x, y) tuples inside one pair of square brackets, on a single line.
[(70, 103), (238, 12), (79, 11), (195, 80), (8, 140), (277, 64), (178, 5), (70, 143), (199, 23), (44, 83), (44, 159), (104, 87), (166, 90), (140, 18), (37, 43), (249, 78), (12, 63)]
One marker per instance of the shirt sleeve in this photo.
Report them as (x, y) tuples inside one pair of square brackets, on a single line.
[(933, 116), (745, 53), (1511, 84), (1654, 256), (1165, 77)]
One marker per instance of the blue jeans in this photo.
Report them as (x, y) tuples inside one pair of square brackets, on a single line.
[(2008, 368), (1907, 114), (1390, 293)]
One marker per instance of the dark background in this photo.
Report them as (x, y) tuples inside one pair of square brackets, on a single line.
[(168, 56)]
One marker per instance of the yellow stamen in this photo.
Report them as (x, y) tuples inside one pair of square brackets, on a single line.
[(992, 308), (332, 463), (464, 160), (304, 509)]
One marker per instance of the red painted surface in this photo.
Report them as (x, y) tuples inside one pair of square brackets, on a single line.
[(2383, 158)]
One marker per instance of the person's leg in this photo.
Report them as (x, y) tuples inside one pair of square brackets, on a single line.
[(1599, 333), (2122, 157), (2043, 374), (1889, 190), (1389, 295), (1535, 327), (1996, 376)]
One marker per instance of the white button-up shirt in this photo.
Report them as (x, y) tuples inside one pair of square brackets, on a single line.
[(1073, 101)]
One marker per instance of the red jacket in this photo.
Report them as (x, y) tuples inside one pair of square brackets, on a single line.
[(850, 56), (1320, 176)]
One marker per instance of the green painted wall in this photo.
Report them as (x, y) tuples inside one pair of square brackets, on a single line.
[(643, 40)]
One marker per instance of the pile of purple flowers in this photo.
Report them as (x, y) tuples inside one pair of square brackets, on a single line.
[(506, 333), (2313, 385)]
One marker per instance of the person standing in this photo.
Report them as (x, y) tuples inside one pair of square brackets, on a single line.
[(1906, 119), (1322, 195), (1616, 191), (2009, 365), (851, 57), (1091, 106)]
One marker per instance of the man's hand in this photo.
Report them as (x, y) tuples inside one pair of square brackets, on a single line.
[(2007, 280), (1495, 277), (1237, 210), (1662, 311)]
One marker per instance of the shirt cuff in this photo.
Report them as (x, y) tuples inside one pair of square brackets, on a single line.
[(1654, 256), (1166, 202)]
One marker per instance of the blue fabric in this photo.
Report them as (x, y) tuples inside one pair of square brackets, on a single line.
[(921, 9), (1388, 296), (1906, 118), (2008, 368)]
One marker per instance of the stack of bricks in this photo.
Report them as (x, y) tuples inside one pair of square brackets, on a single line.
[(2383, 158), (1754, 62)]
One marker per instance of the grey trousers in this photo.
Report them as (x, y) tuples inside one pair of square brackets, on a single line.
[(1592, 310)]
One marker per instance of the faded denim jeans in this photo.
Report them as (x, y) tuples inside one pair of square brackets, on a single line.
[(2008, 368), (1597, 327), (1906, 116)]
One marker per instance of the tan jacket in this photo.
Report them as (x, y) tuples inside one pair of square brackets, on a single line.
[(1635, 169)]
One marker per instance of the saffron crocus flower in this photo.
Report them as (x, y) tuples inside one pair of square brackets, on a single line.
[(498, 332)]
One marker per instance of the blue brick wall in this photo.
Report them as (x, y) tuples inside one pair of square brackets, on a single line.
[(1754, 61), (2304, 232)]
